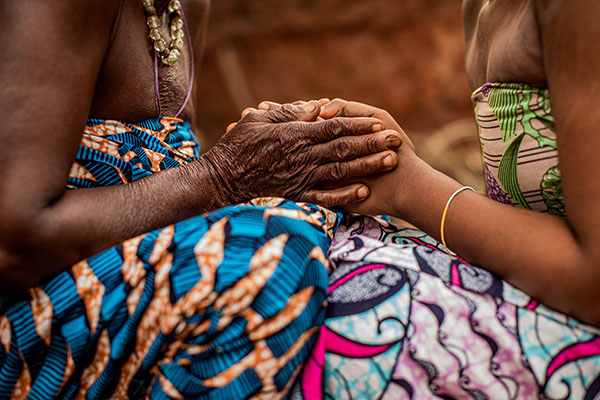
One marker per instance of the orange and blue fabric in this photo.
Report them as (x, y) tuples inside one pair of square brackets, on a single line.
[(225, 305)]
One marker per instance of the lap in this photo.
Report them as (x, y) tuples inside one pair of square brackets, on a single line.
[(227, 303), (405, 320)]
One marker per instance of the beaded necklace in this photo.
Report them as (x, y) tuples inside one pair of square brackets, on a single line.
[(169, 56), (171, 53)]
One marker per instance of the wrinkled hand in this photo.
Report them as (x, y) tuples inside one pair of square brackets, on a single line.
[(286, 152), (271, 105), (342, 108)]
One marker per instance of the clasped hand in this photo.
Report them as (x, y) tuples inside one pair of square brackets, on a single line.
[(289, 151)]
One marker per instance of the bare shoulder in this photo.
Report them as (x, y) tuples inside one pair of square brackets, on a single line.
[(561, 18), (569, 33), (550, 10)]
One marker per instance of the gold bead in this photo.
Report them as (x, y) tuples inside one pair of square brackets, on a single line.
[(168, 60), (174, 5), (160, 45), (177, 23), (153, 22), (177, 43), (178, 34), (155, 34), (168, 54), (172, 58)]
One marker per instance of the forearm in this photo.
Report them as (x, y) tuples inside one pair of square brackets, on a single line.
[(84, 222), (536, 252)]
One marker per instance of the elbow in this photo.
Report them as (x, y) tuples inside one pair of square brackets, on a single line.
[(14, 270), (584, 295), (17, 265), (25, 255), (594, 318), (589, 312), (571, 284), (591, 302), (9, 276)]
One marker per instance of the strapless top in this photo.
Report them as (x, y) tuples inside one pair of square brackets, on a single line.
[(518, 144)]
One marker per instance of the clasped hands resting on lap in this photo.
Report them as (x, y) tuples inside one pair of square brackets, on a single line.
[(290, 151), (341, 187)]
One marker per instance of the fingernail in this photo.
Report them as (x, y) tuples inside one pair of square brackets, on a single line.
[(377, 127), (363, 193), (393, 141), (264, 107), (310, 106), (388, 161)]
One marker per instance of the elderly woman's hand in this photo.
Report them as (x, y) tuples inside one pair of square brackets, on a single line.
[(342, 108), (286, 152), (381, 185)]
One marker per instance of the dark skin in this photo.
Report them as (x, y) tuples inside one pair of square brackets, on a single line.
[(70, 60), (555, 260)]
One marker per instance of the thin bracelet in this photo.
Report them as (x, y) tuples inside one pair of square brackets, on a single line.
[(446, 212)]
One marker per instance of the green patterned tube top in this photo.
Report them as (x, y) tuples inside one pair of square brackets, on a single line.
[(518, 144)]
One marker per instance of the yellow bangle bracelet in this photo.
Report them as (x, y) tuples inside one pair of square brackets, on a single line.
[(446, 212)]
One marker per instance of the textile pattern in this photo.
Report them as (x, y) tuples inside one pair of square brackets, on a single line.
[(407, 321), (224, 305), (519, 148)]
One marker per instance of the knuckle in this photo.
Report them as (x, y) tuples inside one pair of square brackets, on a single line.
[(348, 198), (329, 200), (335, 127), (302, 133), (306, 197), (286, 112), (289, 108), (316, 197), (342, 150), (370, 165), (339, 171), (323, 200), (374, 143), (252, 116)]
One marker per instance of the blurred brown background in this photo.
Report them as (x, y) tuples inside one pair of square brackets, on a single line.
[(402, 55)]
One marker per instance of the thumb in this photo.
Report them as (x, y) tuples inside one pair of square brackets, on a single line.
[(307, 112)]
